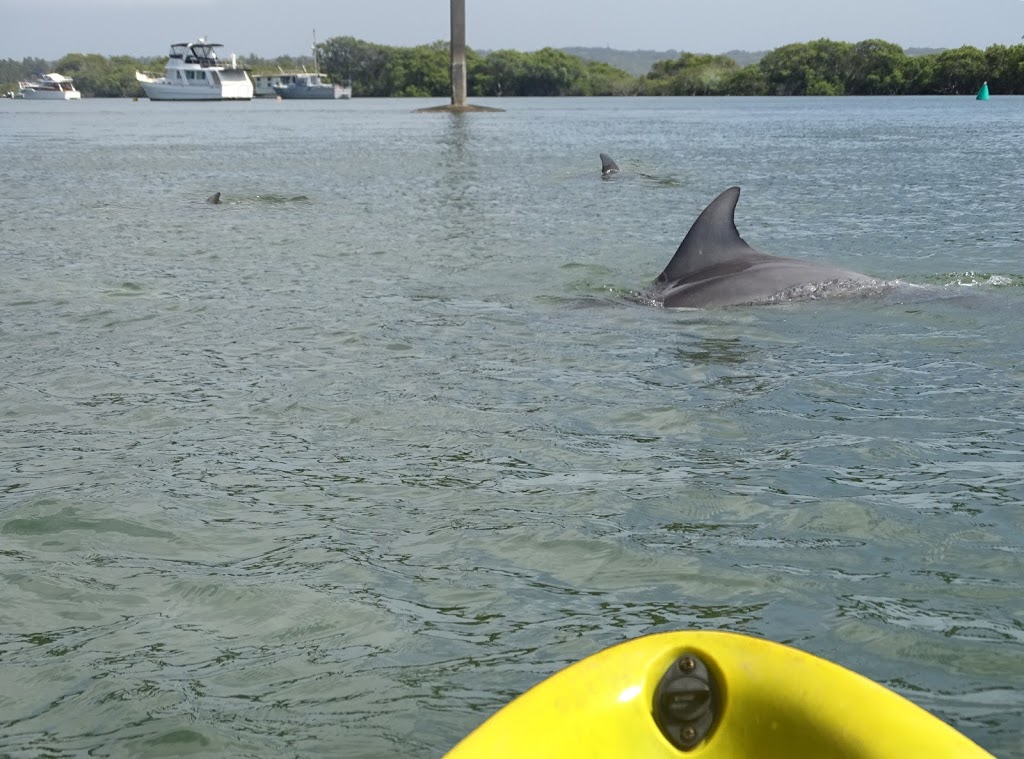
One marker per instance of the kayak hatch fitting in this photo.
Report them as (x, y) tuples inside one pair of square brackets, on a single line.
[(686, 702)]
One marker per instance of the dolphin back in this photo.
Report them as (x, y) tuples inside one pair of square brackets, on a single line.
[(712, 240), (715, 267)]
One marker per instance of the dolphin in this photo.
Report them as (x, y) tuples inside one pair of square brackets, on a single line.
[(214, 199), (714, 267), (608, 166)]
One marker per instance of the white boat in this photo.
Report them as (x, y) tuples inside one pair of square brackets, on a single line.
[(195, 73), (49, 87)]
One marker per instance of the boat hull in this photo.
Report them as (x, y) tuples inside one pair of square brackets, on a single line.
[(328, 92), (33, 94), (768, 701), (219, 89)]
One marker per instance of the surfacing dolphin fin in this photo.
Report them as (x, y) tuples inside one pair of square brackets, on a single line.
[(608, 166), (214, 199), (715, 267), (712, 240)]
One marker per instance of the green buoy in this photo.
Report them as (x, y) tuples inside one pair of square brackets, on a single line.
[(983, 92)]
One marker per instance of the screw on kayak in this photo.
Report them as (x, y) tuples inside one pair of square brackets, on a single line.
[(686, 702)]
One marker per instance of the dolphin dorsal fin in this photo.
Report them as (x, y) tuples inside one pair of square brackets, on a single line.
[(713, 239), (607, 164)]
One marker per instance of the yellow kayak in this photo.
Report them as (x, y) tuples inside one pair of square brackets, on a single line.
[(712, 695)]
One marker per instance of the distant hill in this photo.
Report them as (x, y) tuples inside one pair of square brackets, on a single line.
[(745, 57), (639, 62), (635, 62)]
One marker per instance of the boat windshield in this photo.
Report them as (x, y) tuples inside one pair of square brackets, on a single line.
[(203, 54), (178, 51)]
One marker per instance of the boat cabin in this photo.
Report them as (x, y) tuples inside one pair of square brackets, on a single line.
[(202, 53), (55, 83)]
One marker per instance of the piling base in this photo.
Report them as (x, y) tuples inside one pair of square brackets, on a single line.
[(452, 108)]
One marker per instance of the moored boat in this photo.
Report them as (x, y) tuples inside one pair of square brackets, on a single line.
[(264, 84), (312, 87), (49, 87), (195, 73), (307, 86)]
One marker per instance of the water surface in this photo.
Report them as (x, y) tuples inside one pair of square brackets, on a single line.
[(339, 466)]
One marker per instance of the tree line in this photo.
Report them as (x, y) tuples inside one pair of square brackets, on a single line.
[(821, 67)]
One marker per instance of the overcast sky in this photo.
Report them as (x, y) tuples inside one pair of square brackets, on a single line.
[(51, 28)]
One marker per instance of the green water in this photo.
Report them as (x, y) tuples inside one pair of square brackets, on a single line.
[(339, 466)]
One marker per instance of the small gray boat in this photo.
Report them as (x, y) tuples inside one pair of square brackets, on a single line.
[(312, 87)]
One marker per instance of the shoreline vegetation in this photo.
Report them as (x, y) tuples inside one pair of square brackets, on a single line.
[(821, 67)]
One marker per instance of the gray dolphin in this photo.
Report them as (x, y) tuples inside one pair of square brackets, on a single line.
[(214, 199), (608, 166), (715, 267)]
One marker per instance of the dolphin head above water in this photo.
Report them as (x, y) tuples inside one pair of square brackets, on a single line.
[(608, 166), (714, 267)]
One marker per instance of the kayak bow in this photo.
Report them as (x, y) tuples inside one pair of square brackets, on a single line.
[(713, 695)]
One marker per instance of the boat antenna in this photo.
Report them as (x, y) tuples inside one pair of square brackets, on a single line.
[(316, 65)]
